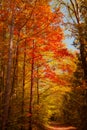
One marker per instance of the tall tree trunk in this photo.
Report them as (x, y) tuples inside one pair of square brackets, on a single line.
[(15, 65), (83, 51), (2, 64), (31, 88), (2, 68), (7, 92), (37, 93), (37, 85), (23, 90), (14, 77), (83, 59)]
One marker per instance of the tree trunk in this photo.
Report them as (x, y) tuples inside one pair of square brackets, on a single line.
[(15, 70), (83, 55), (7, 92), (23, 90), (37, 85), (31, 88)]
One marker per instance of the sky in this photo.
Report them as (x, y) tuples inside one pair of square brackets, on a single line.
[(68, 40)]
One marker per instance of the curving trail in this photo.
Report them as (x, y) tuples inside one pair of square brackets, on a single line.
[(61, 128), (54, 126)]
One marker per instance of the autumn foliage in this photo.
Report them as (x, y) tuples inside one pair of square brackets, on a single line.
[(31, 44)]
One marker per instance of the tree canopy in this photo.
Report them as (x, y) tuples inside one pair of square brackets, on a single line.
[(41, 80)]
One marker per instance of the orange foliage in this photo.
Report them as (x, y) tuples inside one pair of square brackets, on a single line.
[(36, 22)]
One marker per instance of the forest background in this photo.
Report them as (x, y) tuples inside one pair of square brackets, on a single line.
[(41, 80)]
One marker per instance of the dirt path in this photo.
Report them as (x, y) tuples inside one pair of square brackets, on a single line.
[(61, 128), (54, 126)]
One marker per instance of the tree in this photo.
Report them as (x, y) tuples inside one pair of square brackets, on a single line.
[(8, 80), (77, 23), (34, 44)]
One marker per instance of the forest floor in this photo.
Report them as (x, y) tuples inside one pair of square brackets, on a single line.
[(60, 127)]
